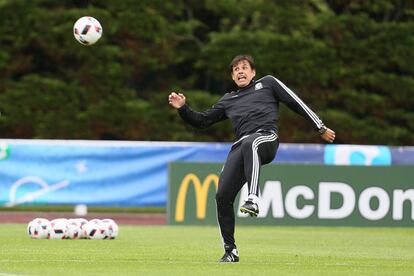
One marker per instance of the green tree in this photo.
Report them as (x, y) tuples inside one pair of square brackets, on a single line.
[(349, 60)]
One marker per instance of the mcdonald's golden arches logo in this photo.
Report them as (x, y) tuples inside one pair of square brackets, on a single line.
[(201, 193)]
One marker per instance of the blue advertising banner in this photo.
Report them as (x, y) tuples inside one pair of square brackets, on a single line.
[(93, 173), (120, 173)]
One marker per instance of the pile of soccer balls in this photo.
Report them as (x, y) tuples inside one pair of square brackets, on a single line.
[(78, 228)]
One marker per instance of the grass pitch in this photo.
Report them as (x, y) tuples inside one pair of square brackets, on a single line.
[(181, 250)]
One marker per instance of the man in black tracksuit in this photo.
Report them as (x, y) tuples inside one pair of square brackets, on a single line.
[(253, 110)]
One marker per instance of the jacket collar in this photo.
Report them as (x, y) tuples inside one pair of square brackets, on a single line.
[(252, 82)]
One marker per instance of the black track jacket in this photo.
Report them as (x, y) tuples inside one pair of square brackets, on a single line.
[(251, 108)]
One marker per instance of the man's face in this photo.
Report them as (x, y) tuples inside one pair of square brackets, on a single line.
[(242, 73)]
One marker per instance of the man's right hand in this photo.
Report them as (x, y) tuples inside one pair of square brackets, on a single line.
[(328, 135), (176, 100)]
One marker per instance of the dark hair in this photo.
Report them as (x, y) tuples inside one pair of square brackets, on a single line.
[(239, 58)]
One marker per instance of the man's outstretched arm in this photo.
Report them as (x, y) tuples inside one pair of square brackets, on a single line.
[(194, 118)]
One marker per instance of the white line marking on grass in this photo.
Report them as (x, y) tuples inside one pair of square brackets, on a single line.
[(9, 274), (169, 261), (351, 264), (111, 261)]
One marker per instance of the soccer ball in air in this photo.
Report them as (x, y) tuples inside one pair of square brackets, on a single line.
[(39, 228), (87, 30), (58, 229)]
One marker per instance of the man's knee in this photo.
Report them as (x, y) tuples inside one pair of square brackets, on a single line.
[(222, 200), (219, 198)]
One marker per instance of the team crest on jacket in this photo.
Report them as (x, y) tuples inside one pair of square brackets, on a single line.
[(258, 86)]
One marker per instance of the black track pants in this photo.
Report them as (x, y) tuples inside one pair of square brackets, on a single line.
[(242, 165)]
